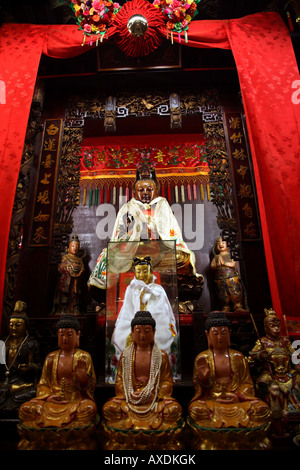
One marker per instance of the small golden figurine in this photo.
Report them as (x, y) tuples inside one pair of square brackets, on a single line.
[(227, 280), (21, 366), (143, 401), (70, 271), (224, 397), (64, 408)]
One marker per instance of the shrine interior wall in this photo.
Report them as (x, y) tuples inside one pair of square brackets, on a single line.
[(37, 267)]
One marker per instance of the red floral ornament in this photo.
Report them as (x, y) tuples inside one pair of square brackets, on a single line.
[(151, 38), (94, 17), (177, 13)]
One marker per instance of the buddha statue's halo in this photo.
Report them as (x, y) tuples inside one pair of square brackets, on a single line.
[(137, 25)]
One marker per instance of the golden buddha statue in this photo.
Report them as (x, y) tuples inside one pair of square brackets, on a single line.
[(224, 392), (271, 357), (143, 400), (20, 368), (64, 400), (227, 280)]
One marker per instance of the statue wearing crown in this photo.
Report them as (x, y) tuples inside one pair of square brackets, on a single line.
[(272, 356), (147, 216)]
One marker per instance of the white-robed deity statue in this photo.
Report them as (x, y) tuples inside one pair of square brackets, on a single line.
[(144, 294), (147, 216)]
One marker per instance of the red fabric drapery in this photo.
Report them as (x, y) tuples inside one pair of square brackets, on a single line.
[(267, 69), (266, 73)]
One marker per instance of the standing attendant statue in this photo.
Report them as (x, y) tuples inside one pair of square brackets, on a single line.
[(70, 271), (227, 280)]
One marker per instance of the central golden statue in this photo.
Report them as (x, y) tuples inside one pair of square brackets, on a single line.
[(224, 391), (144, 386), (147, 216)]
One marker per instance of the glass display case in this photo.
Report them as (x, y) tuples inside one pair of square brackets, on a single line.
[(141, 276)]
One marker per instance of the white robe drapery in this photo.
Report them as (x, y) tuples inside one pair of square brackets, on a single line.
[(161, 220), (157, 304)]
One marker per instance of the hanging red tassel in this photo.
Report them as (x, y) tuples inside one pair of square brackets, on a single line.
[(108, 194), (189, 193), (169, 193), (163, 190), (195, 191), (127, 193)]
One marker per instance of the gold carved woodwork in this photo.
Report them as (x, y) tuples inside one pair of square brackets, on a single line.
[(221, 186), (110, 114), (68, 190)]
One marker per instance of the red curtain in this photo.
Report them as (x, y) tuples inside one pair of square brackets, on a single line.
[(266, 67), (20, 52)]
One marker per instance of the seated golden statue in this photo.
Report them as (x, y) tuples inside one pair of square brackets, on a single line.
[(64, 397), (144, 386), (224, 392), (147, 216), (143, 293), (20, 368), (272, 357)]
